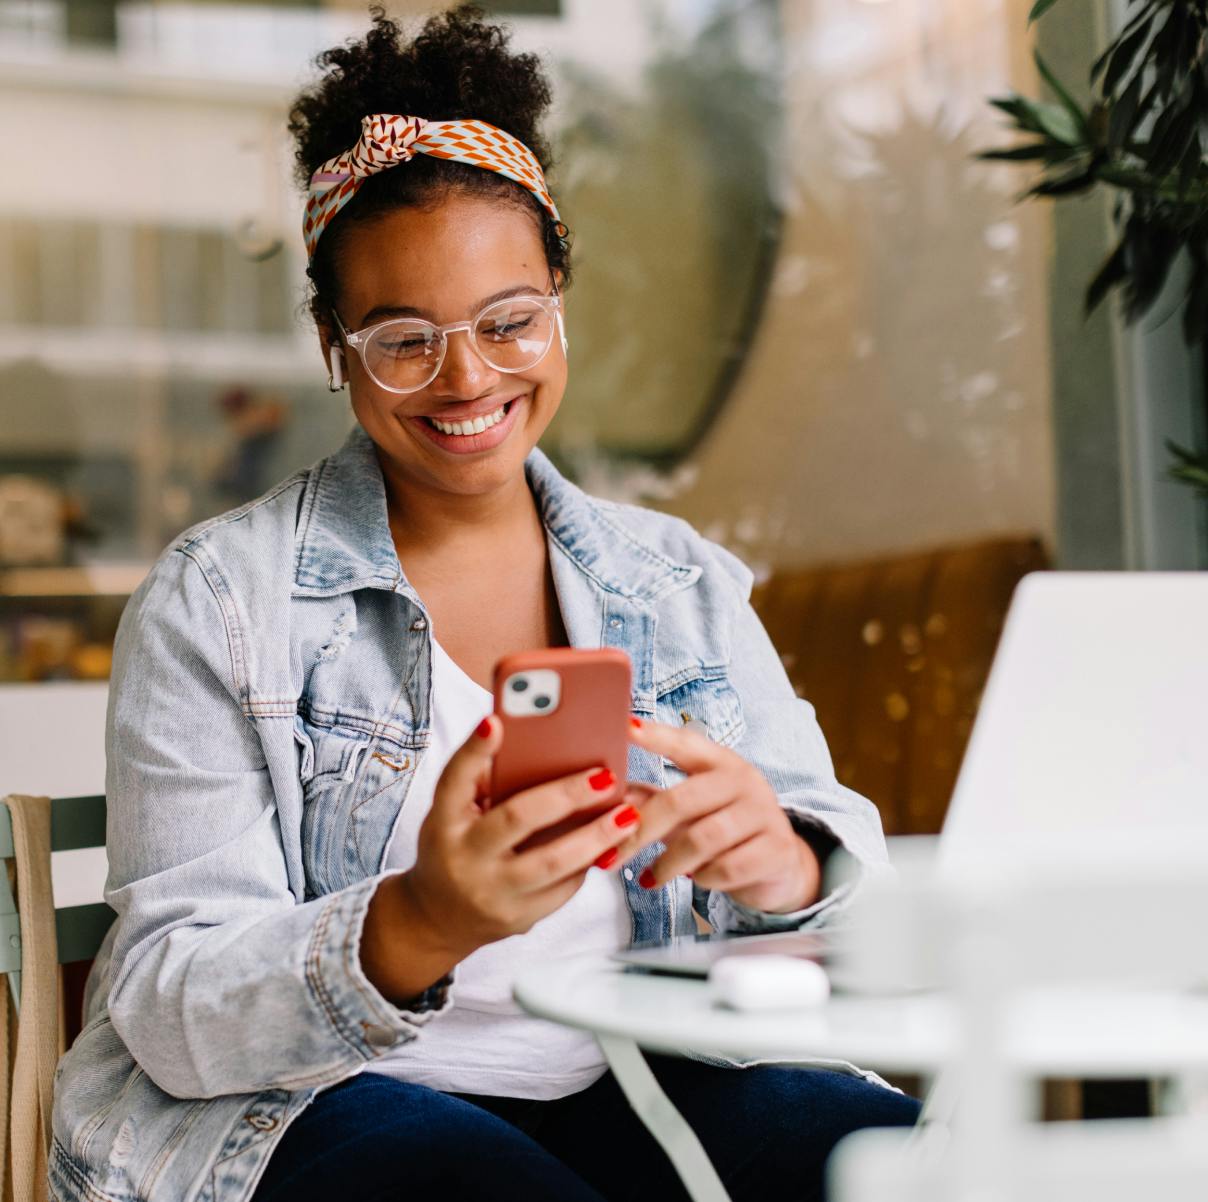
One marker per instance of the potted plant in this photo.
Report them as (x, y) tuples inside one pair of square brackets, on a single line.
[(1144, 135)]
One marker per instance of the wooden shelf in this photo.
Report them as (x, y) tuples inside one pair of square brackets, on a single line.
[(85, 580)]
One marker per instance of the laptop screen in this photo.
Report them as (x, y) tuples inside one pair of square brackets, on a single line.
[(1095, 716)]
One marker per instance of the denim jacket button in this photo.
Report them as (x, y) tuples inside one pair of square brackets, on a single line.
[(262, 1122), (614, 623), (420, 624), (380, 1037)]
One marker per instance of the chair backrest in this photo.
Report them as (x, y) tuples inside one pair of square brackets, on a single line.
[(75, 822)]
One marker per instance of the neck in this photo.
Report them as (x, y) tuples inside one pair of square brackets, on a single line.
[(424, 520)]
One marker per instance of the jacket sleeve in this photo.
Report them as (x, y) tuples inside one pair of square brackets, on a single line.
[(782, 738), (220, 981)]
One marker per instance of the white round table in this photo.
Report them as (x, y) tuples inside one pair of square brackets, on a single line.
[(1067, 1033), (672, 1014)]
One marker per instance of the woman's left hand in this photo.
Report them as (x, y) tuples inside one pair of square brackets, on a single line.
[(722, 825)]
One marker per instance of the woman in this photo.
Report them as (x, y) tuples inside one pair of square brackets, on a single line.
[(306, 993)]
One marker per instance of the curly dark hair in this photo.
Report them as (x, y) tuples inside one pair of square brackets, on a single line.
[(457, 65)]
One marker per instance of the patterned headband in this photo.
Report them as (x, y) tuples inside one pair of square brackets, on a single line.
[(388, 139)]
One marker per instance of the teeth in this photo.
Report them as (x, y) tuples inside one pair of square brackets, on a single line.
[(476, 426)]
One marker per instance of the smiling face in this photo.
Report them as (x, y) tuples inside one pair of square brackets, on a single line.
[(442, 264)]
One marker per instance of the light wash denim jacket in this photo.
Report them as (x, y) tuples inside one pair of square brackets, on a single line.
[(269, 702)]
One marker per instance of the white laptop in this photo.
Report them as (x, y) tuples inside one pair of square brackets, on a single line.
[(1093, 726), (1094, 721)]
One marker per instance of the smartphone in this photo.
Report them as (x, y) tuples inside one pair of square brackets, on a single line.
[(563, 709)]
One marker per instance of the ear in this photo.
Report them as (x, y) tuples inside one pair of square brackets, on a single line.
[(327, 338), (333, 355)]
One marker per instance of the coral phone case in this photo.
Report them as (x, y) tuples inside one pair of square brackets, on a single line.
[(587, 694)]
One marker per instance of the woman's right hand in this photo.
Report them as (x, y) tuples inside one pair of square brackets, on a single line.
[(469, 885)]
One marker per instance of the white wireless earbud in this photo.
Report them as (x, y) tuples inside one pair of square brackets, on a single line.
[(768, 982), (561, 331), (335, 357)]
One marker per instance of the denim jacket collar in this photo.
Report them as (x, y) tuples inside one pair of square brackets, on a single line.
[(344, 541)]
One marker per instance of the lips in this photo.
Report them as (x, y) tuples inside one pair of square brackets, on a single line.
[(466, 444), (467, 413), (474, 425)]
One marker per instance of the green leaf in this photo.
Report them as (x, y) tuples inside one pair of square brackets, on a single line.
[(1122, 59), (1146, 185), (1163, 53), (1173, 133), (1021, 110), (1035, 117), (1018, 154), (1191, 468), (1102, 60), (1077, 180), (1123, 118), (1195, 309), (1039, 9), (1057, 122), (1070, 105), (1189, 168), (1152, 248), (1125, 177), (1113, 271)]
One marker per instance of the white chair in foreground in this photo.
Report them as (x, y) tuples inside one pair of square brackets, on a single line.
[(1047, 957)]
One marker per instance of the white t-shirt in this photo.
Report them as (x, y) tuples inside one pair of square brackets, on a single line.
[(485, 1043)]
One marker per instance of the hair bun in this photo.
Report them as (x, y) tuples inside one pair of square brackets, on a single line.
[(458, 65)]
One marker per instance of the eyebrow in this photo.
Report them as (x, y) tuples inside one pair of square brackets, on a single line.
[(384, 312)]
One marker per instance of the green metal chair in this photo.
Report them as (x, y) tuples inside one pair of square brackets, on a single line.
[(75, 822)]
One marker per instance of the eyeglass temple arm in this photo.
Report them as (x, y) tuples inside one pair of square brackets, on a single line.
[(344, 334)]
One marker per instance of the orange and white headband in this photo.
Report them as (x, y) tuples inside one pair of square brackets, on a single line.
[(387, 140)]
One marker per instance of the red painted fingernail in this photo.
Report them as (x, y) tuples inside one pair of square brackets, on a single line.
[(608, 859), (646, 880), (483, 728), (627, 817), (635, 722), (601, 780)]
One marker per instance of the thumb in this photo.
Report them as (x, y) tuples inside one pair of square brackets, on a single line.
[(467, 774)]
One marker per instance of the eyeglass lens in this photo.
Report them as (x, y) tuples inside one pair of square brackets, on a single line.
[(510, 335)]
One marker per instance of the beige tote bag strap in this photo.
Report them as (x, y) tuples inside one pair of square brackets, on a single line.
[(39, 1041), (6, 1071)]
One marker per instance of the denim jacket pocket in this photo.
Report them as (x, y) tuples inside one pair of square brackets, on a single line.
[(97, 1044), (327, 755), (379, 791), (710, 699), (353, 784), (327, 761)]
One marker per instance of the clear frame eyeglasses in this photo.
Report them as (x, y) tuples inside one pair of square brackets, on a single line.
[(404, 354)]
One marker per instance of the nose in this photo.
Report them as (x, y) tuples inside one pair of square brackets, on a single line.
[(464, 373)]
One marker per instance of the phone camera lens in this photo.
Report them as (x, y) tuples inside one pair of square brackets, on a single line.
[(541, 702), (519, 684)]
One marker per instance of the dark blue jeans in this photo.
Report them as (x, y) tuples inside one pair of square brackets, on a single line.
[(768, 1131)]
